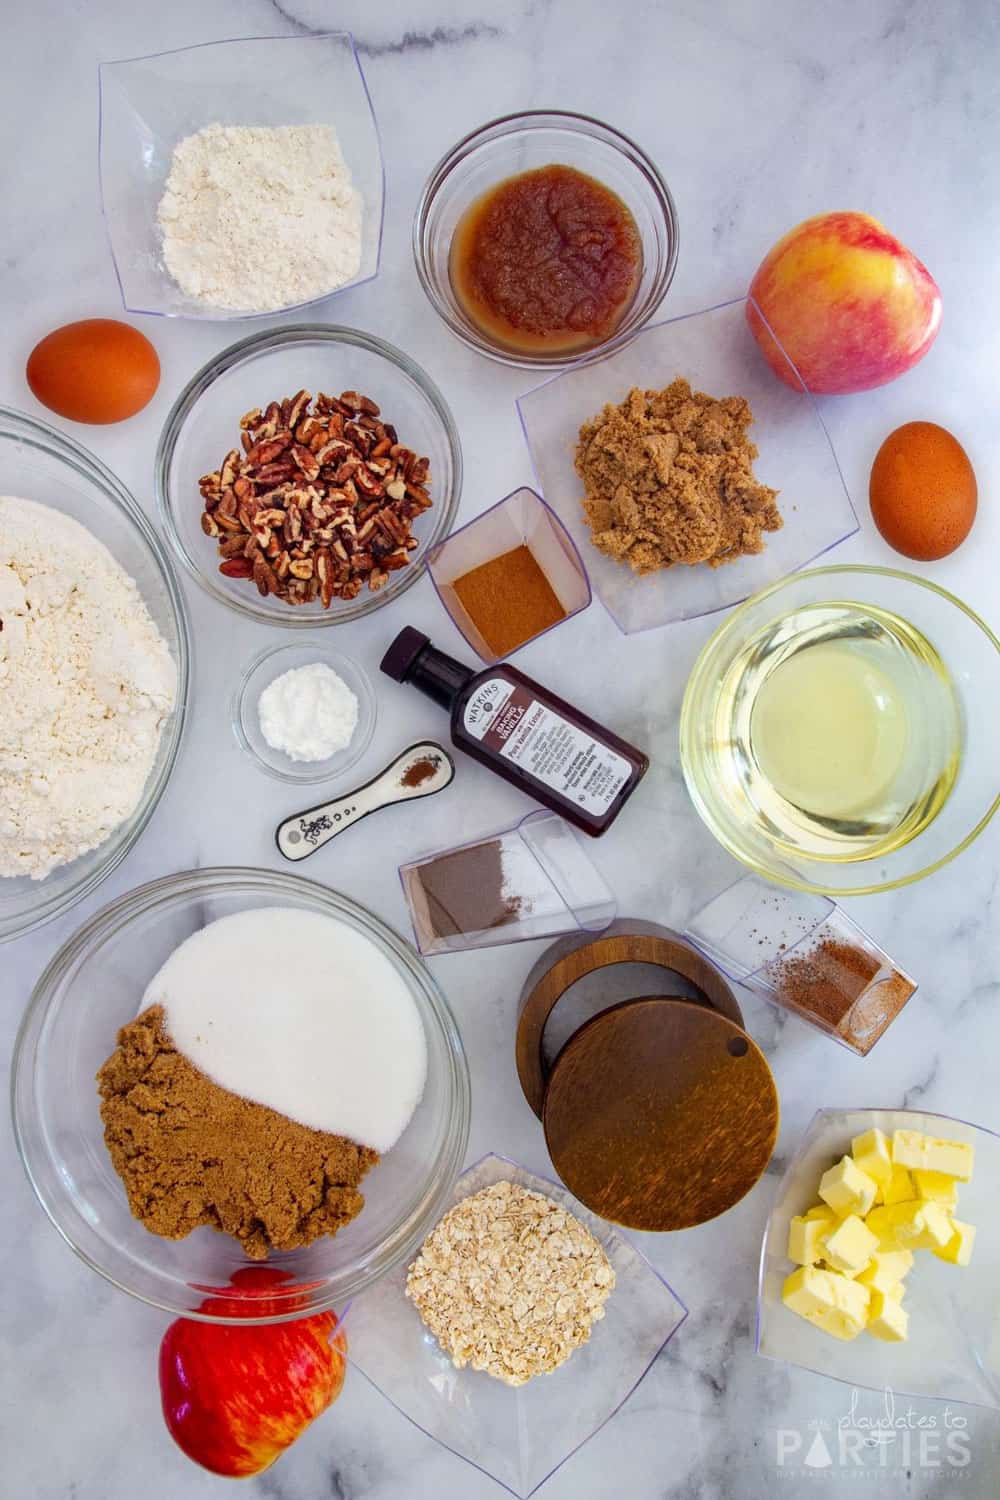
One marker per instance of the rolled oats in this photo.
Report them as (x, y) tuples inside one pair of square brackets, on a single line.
[(510, 1283)]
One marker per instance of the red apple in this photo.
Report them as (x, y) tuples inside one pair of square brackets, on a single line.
[(851, 307), (235, 1398)]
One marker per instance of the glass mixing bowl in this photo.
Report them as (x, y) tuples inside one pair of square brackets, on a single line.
[(970, 653), (203, 425), (38, 463), (94, 985), (520, 143)]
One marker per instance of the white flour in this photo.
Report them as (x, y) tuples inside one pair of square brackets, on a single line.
[(86, 681), (256, 218)]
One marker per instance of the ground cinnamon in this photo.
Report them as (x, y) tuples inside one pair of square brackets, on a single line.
[(192, 1153), (827, 983), (419, 772), (509, 600)]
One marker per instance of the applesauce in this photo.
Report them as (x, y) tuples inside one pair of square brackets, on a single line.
[(548, 260)]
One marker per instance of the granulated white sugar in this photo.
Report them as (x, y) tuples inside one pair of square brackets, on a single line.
[(302, 1012)]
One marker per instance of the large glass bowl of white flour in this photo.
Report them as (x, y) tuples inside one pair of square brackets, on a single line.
[(93, 672)]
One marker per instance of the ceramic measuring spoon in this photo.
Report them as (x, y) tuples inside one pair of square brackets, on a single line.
[(420, 771)]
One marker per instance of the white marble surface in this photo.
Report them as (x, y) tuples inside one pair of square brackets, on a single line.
[(759, 114)]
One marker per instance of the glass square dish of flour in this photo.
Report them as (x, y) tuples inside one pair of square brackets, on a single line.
[(530, 881), (253, 86)]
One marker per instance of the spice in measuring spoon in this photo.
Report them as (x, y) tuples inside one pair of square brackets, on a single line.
[(525, 733), (509, 600)]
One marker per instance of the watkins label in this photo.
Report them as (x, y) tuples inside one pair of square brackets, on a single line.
[(510, 720)]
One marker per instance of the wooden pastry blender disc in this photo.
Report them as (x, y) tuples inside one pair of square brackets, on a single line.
[(660, 1116)]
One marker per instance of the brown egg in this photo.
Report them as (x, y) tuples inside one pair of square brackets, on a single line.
[(923, 491), (99, 370)]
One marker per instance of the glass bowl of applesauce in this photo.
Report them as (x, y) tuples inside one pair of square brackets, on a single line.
[(598, 178)]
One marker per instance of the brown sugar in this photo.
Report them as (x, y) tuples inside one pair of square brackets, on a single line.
[(192, 1153), (509, 600), (668, 478)]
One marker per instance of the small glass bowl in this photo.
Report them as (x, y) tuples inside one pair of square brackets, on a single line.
[(149, 104), (520, 143), (94, 985), (38, 463), (521, 519), (715, 351), (970, 652), (953, 1348), (262, 671), (520, 1435), (203, 424)]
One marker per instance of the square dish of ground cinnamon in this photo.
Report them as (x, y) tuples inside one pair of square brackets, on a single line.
[(509, 599), (668, 478)]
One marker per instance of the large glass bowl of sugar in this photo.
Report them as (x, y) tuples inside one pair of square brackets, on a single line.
[(95, 984)]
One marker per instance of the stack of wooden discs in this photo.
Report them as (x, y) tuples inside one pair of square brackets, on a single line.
[(660, 1112)]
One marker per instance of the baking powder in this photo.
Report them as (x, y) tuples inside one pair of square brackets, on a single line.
[(308, 713)]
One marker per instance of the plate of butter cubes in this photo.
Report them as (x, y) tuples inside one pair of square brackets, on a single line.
[(882, 1255)]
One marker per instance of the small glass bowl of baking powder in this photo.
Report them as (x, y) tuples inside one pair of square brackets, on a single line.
[(276, 662)]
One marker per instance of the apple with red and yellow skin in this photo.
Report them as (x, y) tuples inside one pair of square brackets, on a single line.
[(235, 1398), (850, 306)]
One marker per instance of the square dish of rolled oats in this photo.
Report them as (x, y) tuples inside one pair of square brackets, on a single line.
[(510, 1283)]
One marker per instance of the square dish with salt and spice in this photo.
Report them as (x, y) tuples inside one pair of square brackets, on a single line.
[(530, 881), (802, 952)]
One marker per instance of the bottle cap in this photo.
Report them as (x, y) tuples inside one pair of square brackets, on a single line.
[(403, 652)]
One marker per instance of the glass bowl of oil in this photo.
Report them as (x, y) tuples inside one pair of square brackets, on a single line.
[(839, 730)]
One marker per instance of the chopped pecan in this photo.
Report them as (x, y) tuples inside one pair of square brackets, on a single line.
[(318, 499)]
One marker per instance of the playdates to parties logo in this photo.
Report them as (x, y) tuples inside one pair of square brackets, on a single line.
[(874, 1439)]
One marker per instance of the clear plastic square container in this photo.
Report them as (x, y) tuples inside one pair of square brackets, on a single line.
[(952, 1351), (521, 519), (715, 351), (806, 955), (517, 1435), (149, 104), (530, 881)]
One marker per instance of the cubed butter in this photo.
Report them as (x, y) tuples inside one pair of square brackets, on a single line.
[(937, 1187), (959, 1248), (898, 1225), (887, 1318), (805, 1238), (900, 1188), (847, 1189), (937, 1228), (821, 1211), (872, 1154), (910, 1148), (850, 1246), (885, 1270), (828, 1301)]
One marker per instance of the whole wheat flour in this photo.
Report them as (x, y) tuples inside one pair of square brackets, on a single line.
[(256, 218), (86, 682)]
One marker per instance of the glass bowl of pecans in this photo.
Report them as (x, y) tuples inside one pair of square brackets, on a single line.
[(304, 473)]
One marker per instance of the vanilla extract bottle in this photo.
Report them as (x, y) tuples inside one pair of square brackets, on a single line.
[(535, 740)]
